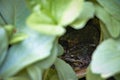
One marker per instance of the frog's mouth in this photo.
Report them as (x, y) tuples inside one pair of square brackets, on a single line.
[(79, 45)]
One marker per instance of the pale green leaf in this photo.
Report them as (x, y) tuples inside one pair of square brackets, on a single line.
[(62, 12), (65, 72), (60, 50), (39, 18), (1, 20), (92, 76), (50, 16), (22, 75), (50, 74), (14, 12), (44, 24), (3, 44), (43, 64), (110, 22), (36, 47), (18, 37), (48, 62), (112, 7), (52, 8), (49, 29), (35, 72), (117, 76), (72, 11), (105, 60), (10, 30), (86, 14)]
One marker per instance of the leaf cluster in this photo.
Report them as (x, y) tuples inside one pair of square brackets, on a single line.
[(30, 30)]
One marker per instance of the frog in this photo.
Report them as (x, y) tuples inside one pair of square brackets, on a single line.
[(79, 55), (79, 45)]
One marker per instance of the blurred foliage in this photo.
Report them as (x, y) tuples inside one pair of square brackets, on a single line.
[(30, 30)]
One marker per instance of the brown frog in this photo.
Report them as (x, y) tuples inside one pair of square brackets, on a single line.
[(79, 45), (79, 55)]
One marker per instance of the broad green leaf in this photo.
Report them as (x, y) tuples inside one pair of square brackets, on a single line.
[(65, 72), (39, 18), (50, 74), (22, 75), (3, 44), (48, 62), (117, 76), (14, 12), (63, 11), (43, 64), (6, 11), (44, 24), (110, 22), (49, 29), (112, 7), (86, 14), (50, 16), (35, 72), (105, 60), (92, 76), (72, 11), (1, 20), (35, 48)]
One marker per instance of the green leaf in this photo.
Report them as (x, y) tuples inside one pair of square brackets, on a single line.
[(10, 30), (112, 25), (65, 72), (14, 12), (60, 50), (35, 72), (18, 37), (35, 48), (105, 60), (3, 45), (92, 76), (50, 74), (1, 20), (17, 78), (113, 10), (43, 24), (104, 32), (43, 64), (50, 16), (63, 12), (86, 14), (39, 18), (117, 76), (71, 12), (49, 29), (22, 75), (48, 62)]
